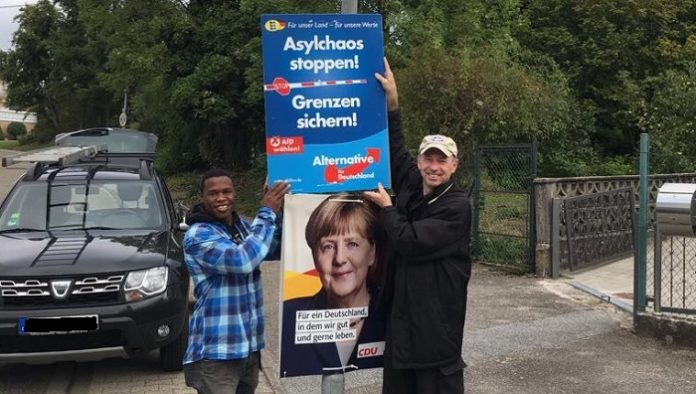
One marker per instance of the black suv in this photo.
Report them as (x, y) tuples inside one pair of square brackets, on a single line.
[(91, 259)]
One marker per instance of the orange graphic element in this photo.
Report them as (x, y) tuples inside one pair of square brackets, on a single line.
[(300, 285), (333, 174), (274, 25)]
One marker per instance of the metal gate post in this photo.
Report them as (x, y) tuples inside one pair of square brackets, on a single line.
[(532, 208), (657, 275), (641, 267), (476, 241)]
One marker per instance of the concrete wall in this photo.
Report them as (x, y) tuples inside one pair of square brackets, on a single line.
[(671, 328)]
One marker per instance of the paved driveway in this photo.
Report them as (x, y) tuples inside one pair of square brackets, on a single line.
[(8, 176)]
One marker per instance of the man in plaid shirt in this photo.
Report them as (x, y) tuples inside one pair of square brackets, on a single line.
[(223, 253)]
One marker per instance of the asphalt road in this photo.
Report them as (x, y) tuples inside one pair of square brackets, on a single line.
[(8, 176), (522, 335)]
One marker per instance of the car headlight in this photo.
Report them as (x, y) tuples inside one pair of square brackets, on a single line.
[(141, 284)]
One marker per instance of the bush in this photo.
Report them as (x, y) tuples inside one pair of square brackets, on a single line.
[(26, 139), (2, 136), (16, 130)]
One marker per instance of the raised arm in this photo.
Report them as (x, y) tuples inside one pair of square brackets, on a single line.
[(217, 254), (403, 166)]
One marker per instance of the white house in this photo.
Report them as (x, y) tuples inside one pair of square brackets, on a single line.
[(7, 115)]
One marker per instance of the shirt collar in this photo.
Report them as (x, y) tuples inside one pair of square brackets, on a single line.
[(438, 192)]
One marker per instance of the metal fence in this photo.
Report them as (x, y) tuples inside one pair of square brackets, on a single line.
[(671, 274), (503, 219), (598, 227), (665, 275)]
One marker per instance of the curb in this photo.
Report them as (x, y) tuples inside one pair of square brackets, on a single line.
[(604, 297)]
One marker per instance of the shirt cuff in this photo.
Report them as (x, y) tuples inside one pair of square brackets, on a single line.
[(267, 213)]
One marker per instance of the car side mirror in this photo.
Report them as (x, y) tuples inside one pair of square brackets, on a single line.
[(182, 210)]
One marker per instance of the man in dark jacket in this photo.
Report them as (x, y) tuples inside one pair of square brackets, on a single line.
[(429, 265)]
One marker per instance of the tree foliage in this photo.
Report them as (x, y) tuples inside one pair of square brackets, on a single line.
[(611, 52), (583, 79), (671, 119), (461, 72), (52, 69)]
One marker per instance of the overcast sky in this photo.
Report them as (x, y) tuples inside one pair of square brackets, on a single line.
[(8, 10)]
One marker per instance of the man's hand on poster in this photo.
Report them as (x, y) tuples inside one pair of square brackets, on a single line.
[(273, 197), (389, 85), (380, 197)]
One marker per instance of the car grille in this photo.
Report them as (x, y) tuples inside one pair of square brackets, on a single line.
[(56, 292)]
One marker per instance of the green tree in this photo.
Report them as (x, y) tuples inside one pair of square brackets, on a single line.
[(671, 121), (51, 70), (461, 72), (193, 73), (141, 60), (610, 51)]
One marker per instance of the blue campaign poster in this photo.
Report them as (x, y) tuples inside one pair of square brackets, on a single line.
[(326, 117)]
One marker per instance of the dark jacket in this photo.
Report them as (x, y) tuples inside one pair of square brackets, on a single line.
[(428, 267), (310, 359)]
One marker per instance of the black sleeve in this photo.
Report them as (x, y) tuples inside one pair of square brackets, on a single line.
[(403, 167), (445, 227)]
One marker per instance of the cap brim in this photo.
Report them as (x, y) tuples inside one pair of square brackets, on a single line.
[(438, 147)]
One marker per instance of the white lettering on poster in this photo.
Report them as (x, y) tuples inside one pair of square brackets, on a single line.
[(327, 161), (322, 44), (300, 102), (326, 43), (318, 121)]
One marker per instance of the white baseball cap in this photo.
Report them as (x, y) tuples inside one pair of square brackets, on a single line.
[(442, 143)]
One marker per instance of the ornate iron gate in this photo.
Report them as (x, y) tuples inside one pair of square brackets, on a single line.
[(503, 218), (599, 227)]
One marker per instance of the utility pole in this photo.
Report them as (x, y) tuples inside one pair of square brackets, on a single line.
[(335, 383), (349, 6)]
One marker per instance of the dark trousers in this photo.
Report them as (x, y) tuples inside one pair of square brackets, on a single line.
[(224, 376), (439, 380)]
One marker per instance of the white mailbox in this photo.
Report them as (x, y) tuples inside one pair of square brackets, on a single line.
[(675, 209)]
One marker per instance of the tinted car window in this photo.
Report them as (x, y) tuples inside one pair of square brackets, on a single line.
[(25, 208), (113, 204)]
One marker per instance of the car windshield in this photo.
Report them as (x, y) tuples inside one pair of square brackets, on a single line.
[(94, 205)]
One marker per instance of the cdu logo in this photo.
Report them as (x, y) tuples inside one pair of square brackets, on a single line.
[(274, 25), (60, 288)]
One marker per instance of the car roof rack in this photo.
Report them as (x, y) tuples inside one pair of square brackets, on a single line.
[(60, 155)]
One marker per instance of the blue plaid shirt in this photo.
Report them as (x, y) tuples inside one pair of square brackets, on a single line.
[(227, 320)]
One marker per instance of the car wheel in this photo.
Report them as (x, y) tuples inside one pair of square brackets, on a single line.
[(172, 354)]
